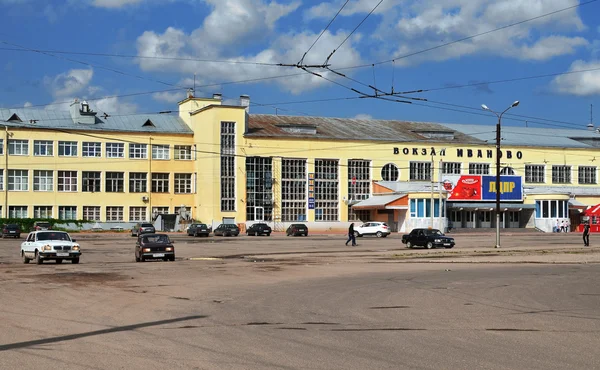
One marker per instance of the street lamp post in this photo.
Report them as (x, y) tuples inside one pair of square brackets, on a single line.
[(498, 154)]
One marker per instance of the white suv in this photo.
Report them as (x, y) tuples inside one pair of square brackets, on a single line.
[(379, 229)]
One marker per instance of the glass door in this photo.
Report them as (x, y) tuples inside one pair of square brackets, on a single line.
[(259, 214)]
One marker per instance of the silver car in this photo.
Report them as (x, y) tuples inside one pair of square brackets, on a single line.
[(142, 228)]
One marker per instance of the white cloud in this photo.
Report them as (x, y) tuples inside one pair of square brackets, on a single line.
[(169, 96), (70, 83), (27, 104), (114, 4), (363, 116), (329, 9), (113, 106), (580, 84), (552, 46)]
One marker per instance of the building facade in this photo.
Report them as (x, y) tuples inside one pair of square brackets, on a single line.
[(219, 163)]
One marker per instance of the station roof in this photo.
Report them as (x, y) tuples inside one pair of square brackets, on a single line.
[(378, 201), (62, 120)]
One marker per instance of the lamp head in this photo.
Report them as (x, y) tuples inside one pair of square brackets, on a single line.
[(484, 107), (515, 104)]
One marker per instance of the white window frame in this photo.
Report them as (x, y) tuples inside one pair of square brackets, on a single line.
[(535, 173), (160, 182), (114, 214), (1, 146), (23, 180), (1, 179), (43, 180), (587, 175), (183, 183), (451, 168), (112, 180), (137, 213), (91, 149), (67, 146), (561, 174), (161, 152), (138, 151), (67, 212), (138, 182), (92, 213), (42, 211), (115, 150), (17, 212), (43, 148), (91, 184), (390, 172), (293, 190), (18, 147), (420, 171), (479, 168), (182, 152), (327, 190), (66, 181)]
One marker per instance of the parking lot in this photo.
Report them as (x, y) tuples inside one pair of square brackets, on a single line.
[(298, 302)]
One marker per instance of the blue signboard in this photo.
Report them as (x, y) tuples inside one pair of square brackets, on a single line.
[(511, 188), (311, 203)]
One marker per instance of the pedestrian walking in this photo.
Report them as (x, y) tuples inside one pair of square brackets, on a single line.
[(586, 234), (563, 227), (557, 227), (351, 236)]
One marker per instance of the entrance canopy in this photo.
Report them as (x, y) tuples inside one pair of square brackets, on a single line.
[(593, 211), (575, 204), (489, 206), (392, 201)]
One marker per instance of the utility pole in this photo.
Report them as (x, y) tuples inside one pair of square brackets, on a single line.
[(6, 174), (439, 184), (149, 179), (432, 206)]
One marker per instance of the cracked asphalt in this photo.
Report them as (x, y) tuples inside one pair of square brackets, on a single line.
[(306, 303)]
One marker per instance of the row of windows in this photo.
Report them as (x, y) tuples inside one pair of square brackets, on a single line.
[(94, 149), (90, 213), (91, 181)]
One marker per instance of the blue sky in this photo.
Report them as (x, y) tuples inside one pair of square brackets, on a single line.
[(281, 31)]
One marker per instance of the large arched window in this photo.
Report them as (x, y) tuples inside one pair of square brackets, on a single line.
[(390, 172), (507, 171)]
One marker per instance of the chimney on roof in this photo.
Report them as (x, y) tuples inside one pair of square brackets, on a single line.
[(217, 96), (190, 93), (245, 102), (82, 113)]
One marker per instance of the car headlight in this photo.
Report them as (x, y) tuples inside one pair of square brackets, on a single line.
[(75, 248), (46, 248), (146, 249), (169, 249), (438, 240)]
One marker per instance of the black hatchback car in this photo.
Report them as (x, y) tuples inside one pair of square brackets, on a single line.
[(259, 229), (227, 230), (428, 238), (154, 246), (12, 230), (198, 229), (297, 230)]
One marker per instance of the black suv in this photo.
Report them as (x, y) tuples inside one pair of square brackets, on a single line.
[(227, 230), (12, 230), (428, 238), (259, 229), (198, 229)]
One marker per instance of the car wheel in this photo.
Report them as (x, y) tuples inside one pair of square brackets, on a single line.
[(58, 261), (409, 245), (25, 259), (172, 259), (75, 260), (38, 259), (142, 259), (195, 235), (268, 234), (429, 245), (306, 234), (356, 234), (379, 234)]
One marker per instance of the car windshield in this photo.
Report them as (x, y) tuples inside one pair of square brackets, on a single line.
[(200, 225), (298, 225), (12, 226), (147, 225), (53, 236), (160, 239), (43, 224), (434, 232)]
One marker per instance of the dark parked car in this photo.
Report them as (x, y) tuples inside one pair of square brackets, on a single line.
[(154, 246), (198, 229), (41, 225), (259, 229), (227, 230), (297, 229), (12, 230), (142, 228), (429, 238)]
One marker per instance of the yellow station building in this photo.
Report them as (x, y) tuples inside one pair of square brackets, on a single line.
[(218, 163)]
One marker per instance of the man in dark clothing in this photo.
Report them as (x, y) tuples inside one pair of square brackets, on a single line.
[(586, 234), (351, 235)]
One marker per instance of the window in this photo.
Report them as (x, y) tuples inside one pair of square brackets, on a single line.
[(42, 211), (183, 152), (359, 186), (114, 213), (67, 148), (420, 171), (1, 146), (91, 213), (138, 151), (43, 180), (259, 189), (67, 180), (137, 214), (587, 174), (17, 211), (1, 181), (91, 181), (115, 150), (160, 182), (451, 168), (390, 172), (115, 182), (160, 211), (18, 147), (183, 183), (507, 171), (18, 180), (43, 148), (326, 190), (227, 166), (534, 173), (551, 209), (479, 168), (67, 213), (91, 149), (138, 182), (421, 208), (561, 174), (160, 152), (293, 190)]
